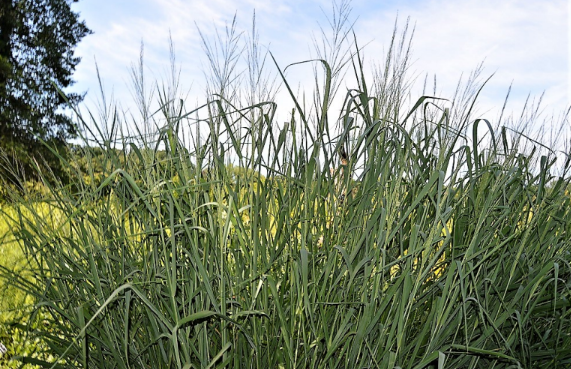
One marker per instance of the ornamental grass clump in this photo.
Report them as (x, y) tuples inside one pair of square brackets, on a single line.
[(380, 235)]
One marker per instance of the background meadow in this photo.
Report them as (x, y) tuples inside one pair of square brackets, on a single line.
[(351, 224)]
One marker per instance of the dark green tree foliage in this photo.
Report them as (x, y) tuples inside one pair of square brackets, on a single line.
[(37, 41)]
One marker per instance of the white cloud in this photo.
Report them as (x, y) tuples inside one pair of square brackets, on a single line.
[(523, 41)]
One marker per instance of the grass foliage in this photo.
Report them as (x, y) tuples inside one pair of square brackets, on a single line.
[(382, 236)]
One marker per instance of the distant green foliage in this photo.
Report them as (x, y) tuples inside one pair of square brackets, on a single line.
[(14, 301), (37, 42)]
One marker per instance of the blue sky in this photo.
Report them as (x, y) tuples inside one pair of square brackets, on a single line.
[(524, 41)]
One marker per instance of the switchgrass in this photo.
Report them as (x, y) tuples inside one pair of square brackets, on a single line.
[(240, 242)]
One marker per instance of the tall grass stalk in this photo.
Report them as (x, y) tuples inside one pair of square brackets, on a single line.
[(249, 245)]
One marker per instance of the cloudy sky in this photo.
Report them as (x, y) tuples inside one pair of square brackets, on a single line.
[(524, 42)]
